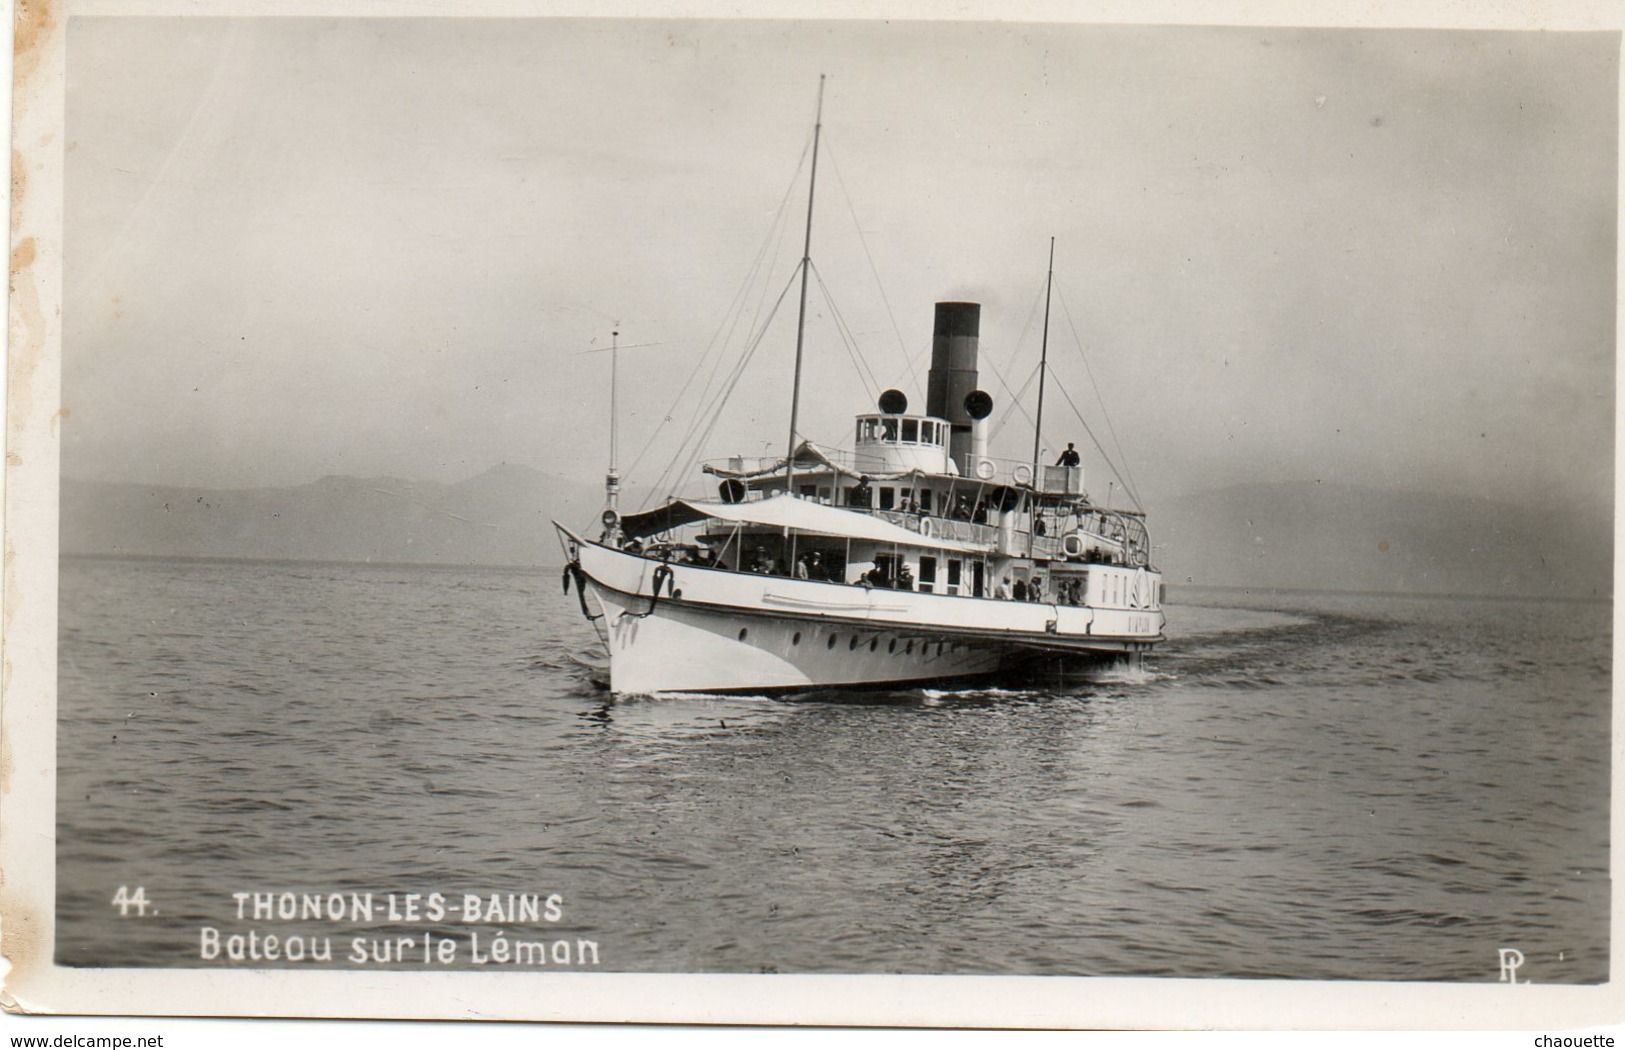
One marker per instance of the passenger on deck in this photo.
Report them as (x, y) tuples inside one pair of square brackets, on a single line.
[(860, 495), (1070, 457), (810, 566), (762, 563), (1019, 591), (1001, 590)]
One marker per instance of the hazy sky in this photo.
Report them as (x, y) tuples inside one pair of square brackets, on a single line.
[(305, 247)]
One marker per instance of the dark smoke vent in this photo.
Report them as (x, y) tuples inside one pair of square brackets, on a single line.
[(894, 402), (953, 373), (953, 361), (979, 404)]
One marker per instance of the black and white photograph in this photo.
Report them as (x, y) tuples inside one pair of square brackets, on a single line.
[(611, 518)]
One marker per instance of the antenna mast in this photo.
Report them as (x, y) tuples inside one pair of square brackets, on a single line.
[(801, 318), (1038, 425), (612, 479)]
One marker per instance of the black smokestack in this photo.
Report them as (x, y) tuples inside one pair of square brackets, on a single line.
[(953, 373)]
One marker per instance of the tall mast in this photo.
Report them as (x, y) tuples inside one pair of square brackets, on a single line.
[(1038, 425), (801, 318), (612, 479)]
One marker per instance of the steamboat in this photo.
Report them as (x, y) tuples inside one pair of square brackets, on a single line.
[(912, 557)]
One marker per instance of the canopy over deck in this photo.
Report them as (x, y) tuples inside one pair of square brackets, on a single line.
[(788, 512)]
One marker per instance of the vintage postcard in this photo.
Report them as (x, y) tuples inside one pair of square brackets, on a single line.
[(993, 517)]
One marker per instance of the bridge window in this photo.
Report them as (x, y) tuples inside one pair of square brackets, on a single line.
[(911, 430), (889, 429), (928, 573), (953, 575), (888, 497)]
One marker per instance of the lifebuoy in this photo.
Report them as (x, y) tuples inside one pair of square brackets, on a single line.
[(928, 527), (1072, 545), (985, 469), (1023, 474)]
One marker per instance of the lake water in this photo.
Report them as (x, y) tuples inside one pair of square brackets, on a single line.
[(1302, 785)]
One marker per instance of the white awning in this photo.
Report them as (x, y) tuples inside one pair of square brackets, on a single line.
[(789, 512), (809, 457)]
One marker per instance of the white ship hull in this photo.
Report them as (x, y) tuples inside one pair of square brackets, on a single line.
[(710, 631)]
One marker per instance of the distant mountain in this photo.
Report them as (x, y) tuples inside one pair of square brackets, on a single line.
[(1315, 536), (500, 517), (1289, 535)]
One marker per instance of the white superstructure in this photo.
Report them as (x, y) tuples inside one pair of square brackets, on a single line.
[(912, 557)]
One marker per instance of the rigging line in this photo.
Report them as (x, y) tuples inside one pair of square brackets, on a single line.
[(1032, 315), (759, 272), (853, 350), (912, 361), (730, 320), (1015, 403), (1015, 399), (1133, 494), (738, 374), (710, 382), (718, 339), (864, 241), (770, 250), (782, 219), (1104, 414), (720, 400), (859, 365)]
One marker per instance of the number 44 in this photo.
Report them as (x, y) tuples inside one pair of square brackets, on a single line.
[(124, 900)]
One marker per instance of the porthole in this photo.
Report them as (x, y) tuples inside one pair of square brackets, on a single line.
[(891, 646), (939, 648), (874, 643), (853, 644), (742, 632), (832, 640), (909, 648), (795, 639)]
